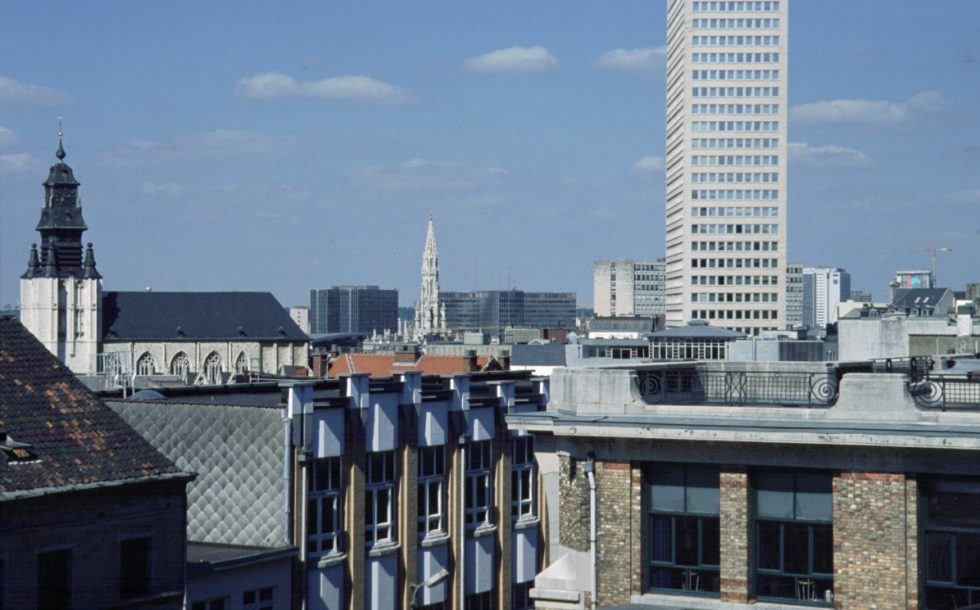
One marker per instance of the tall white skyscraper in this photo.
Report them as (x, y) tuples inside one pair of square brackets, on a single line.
[(726, 163)]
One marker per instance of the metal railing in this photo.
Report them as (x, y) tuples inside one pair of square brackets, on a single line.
[(946, 392), (701, 386)]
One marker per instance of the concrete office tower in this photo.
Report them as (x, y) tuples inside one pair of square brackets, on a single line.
[(628, 288), (823, 289), (726, 163), (794, 295)]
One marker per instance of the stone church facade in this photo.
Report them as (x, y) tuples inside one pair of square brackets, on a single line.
[(197, 337)]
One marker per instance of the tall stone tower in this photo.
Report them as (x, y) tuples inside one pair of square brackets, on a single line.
[(429, 318), (61, 291)]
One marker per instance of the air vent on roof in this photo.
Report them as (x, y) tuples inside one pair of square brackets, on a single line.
[(180, 331), (241, 331), (282, 331)]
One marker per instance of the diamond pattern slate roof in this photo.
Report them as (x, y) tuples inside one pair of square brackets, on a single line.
[(201, 316), (237, 453), (77, 440)]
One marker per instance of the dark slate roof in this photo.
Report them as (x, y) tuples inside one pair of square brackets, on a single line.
[(199, 316), (75, 440), (696, 331), (918, 297), (637, 324), (549, 354)]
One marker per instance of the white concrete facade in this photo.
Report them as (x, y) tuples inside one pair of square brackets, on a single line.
[(64, 313), (628, 287), (726, 204)]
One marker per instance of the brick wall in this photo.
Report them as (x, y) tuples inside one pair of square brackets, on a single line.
[(873, 541), (614, 532), (736, 524), (573, 498)]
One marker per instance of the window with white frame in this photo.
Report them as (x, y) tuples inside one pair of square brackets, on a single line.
[(522, 477), (379, 498), (259, 599), (180, 364), (479, 483), (431, 489), (323, 513)]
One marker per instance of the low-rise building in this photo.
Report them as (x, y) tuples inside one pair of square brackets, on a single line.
[(724, 486), (390, 491), (91, 515)]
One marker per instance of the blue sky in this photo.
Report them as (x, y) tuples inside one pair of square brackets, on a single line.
[(252, 146)]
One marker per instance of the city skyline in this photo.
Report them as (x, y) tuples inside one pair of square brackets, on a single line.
[(231, 160)]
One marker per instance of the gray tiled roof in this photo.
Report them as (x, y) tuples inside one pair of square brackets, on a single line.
[(75, 440), (549, 354), (696, 331), (918, 297), (157, 316), (237, 452)]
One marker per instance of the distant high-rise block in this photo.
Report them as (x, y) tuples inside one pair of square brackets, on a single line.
[(353, 309), (823, 289), (794, 295), (726, 163), (628, 287)]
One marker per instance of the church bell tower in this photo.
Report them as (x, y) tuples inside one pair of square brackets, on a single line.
[(61, 291)]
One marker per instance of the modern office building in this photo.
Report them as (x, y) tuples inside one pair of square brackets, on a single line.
[(823, 289), (353, 309), (628, 287), (403, 491), (794, 295), (495, 310), (726, 163)]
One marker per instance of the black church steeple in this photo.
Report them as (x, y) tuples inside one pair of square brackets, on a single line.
[(61, 227)]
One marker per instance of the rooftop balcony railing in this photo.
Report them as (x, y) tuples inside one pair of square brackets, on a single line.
[(700, 385)]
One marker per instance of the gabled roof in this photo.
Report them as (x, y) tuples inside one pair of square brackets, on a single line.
[(918, 297), (73, 440), (196, 316), (384, 365)]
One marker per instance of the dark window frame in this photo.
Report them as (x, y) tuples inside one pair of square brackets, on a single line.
[(135, 566), (809, 585), (674, 574), (955, 586)]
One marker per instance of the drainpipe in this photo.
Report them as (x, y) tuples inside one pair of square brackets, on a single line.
[(589, 470), (461, 566)]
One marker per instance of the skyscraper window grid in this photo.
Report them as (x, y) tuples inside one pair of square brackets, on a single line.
[(726, 67)]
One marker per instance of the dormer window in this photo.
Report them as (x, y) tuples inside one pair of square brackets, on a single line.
[(15, 451)]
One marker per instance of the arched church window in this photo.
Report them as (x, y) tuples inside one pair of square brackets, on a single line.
[(180, 364), (144, 365), (241, 364), (212, 368)]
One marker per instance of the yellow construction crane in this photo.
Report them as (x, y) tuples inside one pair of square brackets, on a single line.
[(932, 251)]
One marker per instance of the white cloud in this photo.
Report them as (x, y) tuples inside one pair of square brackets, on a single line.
[(18, 163), (15, 92), (649, 58), (649, 165), (8, 138), (513, 59), (826, 156), (221, 143), (272, 85), (164, 189), (967, 196), (869, 112)]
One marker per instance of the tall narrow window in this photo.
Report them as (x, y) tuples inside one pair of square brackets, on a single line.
[(54, 580), (180, 364), (145, 365), (134, 567), (241, 364), (212, 369), (952, 544), (522, 476), (479, 483), (379, 498), (684, 528), (794, 536), (323, 516), (431, 489)]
